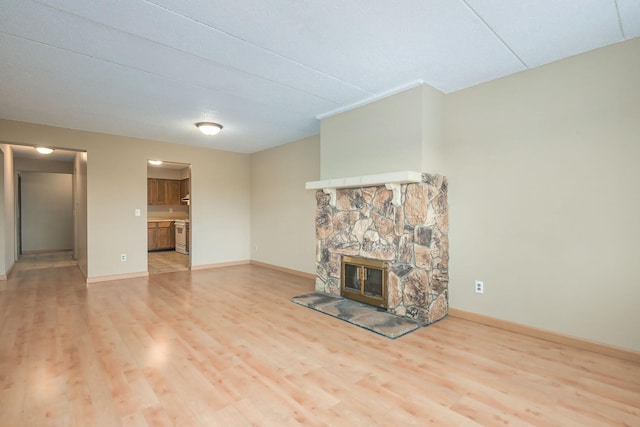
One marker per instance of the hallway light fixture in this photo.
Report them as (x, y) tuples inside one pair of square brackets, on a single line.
[(155, 162), (209, 128), (44, 150)]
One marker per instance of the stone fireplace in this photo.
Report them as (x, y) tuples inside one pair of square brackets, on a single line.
[(403, 224)]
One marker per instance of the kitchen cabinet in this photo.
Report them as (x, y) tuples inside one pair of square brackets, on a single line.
[(172, 192), (151, 236), (185, 189), (187, 242), (154, 193), (160, 235), (163, 191)]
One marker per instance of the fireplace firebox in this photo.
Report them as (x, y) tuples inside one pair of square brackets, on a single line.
[(364, 280)]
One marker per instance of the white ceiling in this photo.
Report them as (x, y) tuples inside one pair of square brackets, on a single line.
[(265, 69)]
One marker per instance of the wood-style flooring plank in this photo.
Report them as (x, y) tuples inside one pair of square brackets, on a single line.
[(227, 347)]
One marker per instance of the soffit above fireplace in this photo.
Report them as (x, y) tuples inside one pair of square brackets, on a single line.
[(392, 180)]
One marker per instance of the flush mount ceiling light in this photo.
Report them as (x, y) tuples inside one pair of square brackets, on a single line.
[(209, 128), (155, 162), (44, 150)]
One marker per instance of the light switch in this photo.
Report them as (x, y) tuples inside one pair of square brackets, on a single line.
[(137, 212)]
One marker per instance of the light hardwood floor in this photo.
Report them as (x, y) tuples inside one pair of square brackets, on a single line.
[(167, 261), (226, 347)]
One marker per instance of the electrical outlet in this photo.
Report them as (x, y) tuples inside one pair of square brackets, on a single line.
[(123, 257), (479, 287)]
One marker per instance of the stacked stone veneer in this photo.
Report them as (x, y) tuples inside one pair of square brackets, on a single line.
[(411, 237)]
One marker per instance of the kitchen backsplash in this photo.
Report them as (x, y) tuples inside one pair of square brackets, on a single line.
[(169, 212)]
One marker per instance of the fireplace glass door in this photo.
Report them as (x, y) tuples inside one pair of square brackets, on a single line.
[(364, 280)]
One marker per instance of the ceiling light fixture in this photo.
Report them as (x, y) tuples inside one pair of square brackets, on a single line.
[(44, 150), (155, 162), (209, 128)]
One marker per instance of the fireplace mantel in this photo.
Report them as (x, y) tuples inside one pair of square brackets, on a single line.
[(392, 180)]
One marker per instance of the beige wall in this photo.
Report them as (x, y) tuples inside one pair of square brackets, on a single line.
[(433, 106), (42, 165), (543, 192), (164, 173), (384, 136), (4, 266), (282, 211), (117, 185), (9, 211), (80, 249), (402, 132), (46, 211)]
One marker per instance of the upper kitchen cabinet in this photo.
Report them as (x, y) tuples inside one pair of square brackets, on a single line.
[(185, 189), (163, 191), (172, 192)]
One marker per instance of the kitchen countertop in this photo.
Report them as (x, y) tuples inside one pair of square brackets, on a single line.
[(167, 219)]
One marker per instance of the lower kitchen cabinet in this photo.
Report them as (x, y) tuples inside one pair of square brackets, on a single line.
[(151, 236), (160, 235), (188, 236)]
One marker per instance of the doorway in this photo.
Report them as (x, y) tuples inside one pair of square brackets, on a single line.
[(49, 204), (168, 216), (45, 206)]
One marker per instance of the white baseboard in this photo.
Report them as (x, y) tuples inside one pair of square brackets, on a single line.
[(110, 278), (608, 350)]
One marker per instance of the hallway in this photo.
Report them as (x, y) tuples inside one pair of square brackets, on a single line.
[(53, 259)]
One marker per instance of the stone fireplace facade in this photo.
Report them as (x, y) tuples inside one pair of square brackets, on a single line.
[(412, 237)]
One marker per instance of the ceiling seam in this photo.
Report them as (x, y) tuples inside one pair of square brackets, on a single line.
[(259, 47), (524, 64), (172, 48), (615, 2)]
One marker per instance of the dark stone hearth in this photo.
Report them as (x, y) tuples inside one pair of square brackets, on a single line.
[(362, 315)]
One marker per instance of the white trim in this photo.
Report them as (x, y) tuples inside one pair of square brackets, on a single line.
[(401, 177), (218, 265), (98, 279)]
